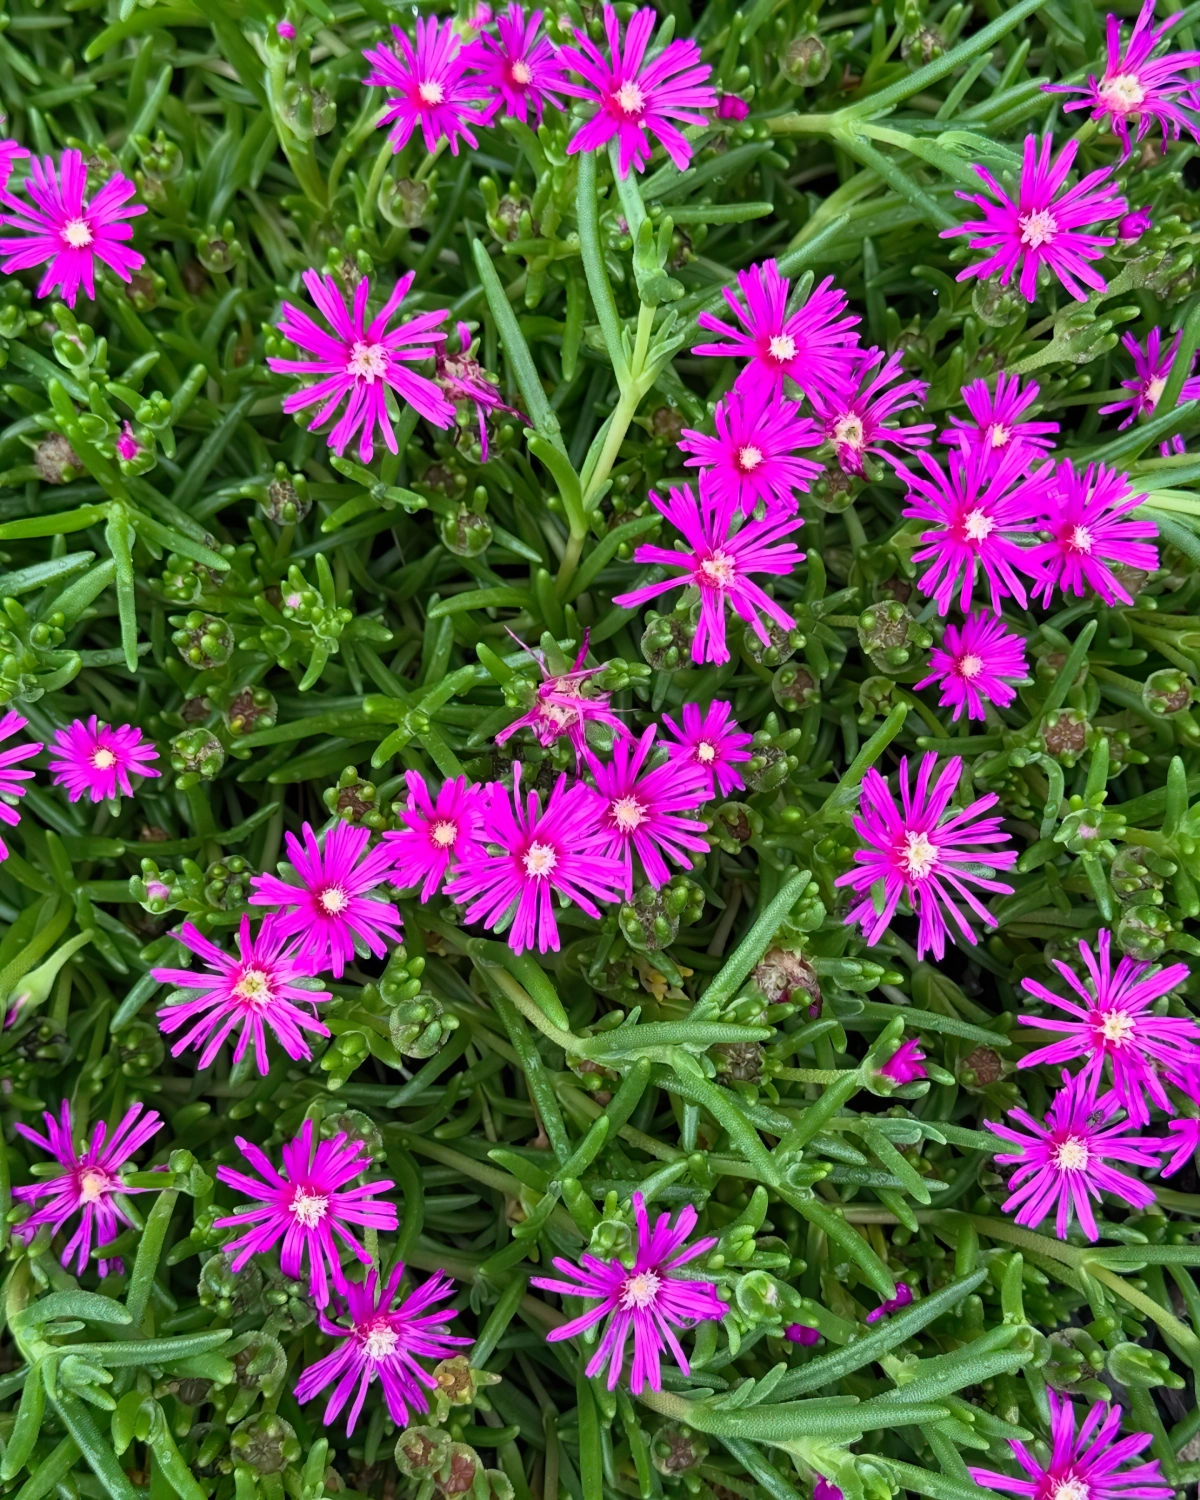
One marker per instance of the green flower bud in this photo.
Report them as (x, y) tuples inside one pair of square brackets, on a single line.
[(203, 641), (1142, 932), (266, 1443), (667, 640), (806, 60), (196, 755), (890, 635)]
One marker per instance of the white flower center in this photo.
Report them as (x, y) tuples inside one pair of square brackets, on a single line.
[(639, 1290), (1153, 390), (977, 526), (521, 72), (1070, 1488), (77, 233), (367, 362), (998, 434), (333, 900), (782, 347), (93, 1184), (1080, 539), (919, 855), (1072, 1155), (1123, 93), (1117, 1026), (706, 752), (103, 759), (970, 666), (254, 986), (1037, 228), (540, 860), (628, 813), (309, 1208), (630, 98), (848, 431), (444, 833), (381, 1341), (719, 569), (431, 92), (749, 458)]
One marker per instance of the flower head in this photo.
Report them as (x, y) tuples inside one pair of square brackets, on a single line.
[(753, 456), (1085, 514), (718, 565), (1134, 225), (638, 101), (731, 107), (334, 905), (10, 153), (12, 775), (463, 378), (98, 759), (360, 362), (906, 1064), (1185, 1139), (1045, 226), (797, 1333), (260, 990), (383, 1343), (67, 230), (823, 1489), (890, 1305), (999, 424), (644, 1298), (857, 420), (438, 831), (976, 664), (90, 1183), (519, 63), (561, 706), (712, 741), (433, 86), (1151, 370), (924, 852), (308, 1206)]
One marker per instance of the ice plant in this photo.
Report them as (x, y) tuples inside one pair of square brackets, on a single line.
[(645, 1298), (1087, 515), (308, 1206), (922, 851), (1151, 370), (718, 562), (360, 362), (858, 420), (12, 774), (1112, 1027), (564, 704), (333, 907), (519, 63), (906, 1064), (10, 154), (797, 1333), (94, 759), (464, 379), (1182, 1147), (754, 456), (1045, 226), (976, 664), (431, 86), (711, 740), (999, 424), (385, 1342), (90, 1183), (62, 227), (638, 101), (258, 992), (437, 830), (890, 1305), (126, 445)]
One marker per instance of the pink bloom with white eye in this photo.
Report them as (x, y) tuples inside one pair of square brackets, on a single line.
[(921, 850), (89, 1185), (647, 1298), (753, 456), (555, 851), (127, 445), (11, 776), (638, 101), (903, 1298), (10, 153), (520, 64), (1063, 1163), (434, 86), (463, 378), (816, 346), (359, 362), (1151, 370), (561, 707), (975, 665), (1185, 1140), (308, 1206), (718, 563), (98, 759), (999, 422), (730, 107), (712, 741), (69, 231), (259, 990), (383, 1343), (906, 1064), (1045, 226), (1115, 1024), (1085, 513), (857, 421), (438, 831), (333, 909)]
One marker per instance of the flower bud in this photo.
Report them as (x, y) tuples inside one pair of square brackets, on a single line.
[(196, 755), (667, 641), (806, 60), (730, 107), (890, 635), (1134, 225), (203, 641), (266, 1443), (1142, 932), (797, 1333)]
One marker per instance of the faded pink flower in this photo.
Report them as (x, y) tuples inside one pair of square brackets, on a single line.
[(1087, 515), (520, 64), (97, 759), (561, 706), (999, 425), (857, 420), (11, 774), (975, 665), (712, 741), (463, 378), (753, 456), (433, 86), (437, 832)]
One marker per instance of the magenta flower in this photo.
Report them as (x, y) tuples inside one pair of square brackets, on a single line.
[(1085, 516), (10, 776), (637, 101), (1044, 227), (975, 665), (1063, 1163), (383, 1343), (1088, 1465), (257, 991), (333, 909), (434, 88), (823, 1489), (90, 1183), (561, 707), (1186, 1133), (463, 378), (712, 741), (816, 347), (1115, 1024), (644, 1298), (753, 458), (797, 1333), (924, 852), (127, 446), (999, 425), (857, 421), (519, 64), (731, 107), (906, 1064), (903, 1298), (718, 563), (10, 154), (1151, 369), (1134, 225), (97, 759), (558, 851), (308, 1206), (437, 832), (360, 363)]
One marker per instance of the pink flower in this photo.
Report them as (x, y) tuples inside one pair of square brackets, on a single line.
[(856, 421), (1084, 513), (824, 1490), (285, 31), (641, 810), (561, 707), (10, 154), (712, 741), (555, 852), (256, 991), (730, 107), (1151, 370), (815, 346), (1134, 225), (361, 362), (437, 832), (383, 1343), (718, 565), (998, 426), (1137, 86), (333, 908), (1044, 227), (903, 1298), (1186, 1133), (520, 64), (906, 1065), (752, 458), (62, 227), (89, 1185), (464, 379), (97, 759), (308, 1206), (1115, 1023), (10, 776), (797, 1333), (975, 665), (924, 852), (434, 86), (644, 1298), (127, 446), (1063, 1163), (1085, 1465), (637, 100)]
